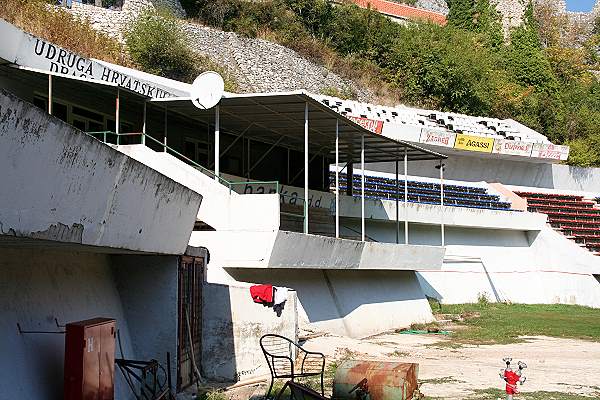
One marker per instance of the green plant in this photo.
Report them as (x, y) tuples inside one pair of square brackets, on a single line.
[(156, 43), (483, 299), (58, 26)]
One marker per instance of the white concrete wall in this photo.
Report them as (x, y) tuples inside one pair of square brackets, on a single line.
[(60, 184), (434, 214), (521, 173), (221, 208), (283, 249), (232, 325), (507, 265), (36, 286), (353, 303), (147, 285)]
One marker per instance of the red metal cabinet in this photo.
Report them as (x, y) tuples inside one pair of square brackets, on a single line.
[(90, 360)]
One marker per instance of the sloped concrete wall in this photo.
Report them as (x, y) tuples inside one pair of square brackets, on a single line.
[(60, 184)]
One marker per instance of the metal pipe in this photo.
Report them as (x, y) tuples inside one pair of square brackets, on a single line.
[(166, 129), (118, 115), (306, 167), (248, 161), (217, 142), (362, 188), (49, 94), (405, 196), (266, 153), (144, 124), (337, 179), (397, 205), (442, 200)]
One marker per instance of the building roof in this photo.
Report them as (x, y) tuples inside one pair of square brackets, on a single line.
[(403, 11), (278, 118)]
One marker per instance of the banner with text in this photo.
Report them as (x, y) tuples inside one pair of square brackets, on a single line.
[(550, 151), (512, 147), (367, 123), (437, 137), (474, 143), (291, 195), (32, 52)]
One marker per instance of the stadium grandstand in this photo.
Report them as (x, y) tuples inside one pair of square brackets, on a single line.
[(125, 197)]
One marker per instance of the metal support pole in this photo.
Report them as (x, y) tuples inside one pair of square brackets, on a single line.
[(217, 143), (288, 166), (442, 200), (362, 189), (144, 124), (118, 116), (397, 205), (405, 196), (305, 167), (248, 160), (50, 94), (337, 179), (166, 129)]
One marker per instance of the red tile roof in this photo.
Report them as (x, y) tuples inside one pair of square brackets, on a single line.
[(402, 11)]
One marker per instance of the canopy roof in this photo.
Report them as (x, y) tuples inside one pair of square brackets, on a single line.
[(280, 117)]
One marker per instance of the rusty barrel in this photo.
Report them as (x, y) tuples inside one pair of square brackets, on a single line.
[(384, 380)]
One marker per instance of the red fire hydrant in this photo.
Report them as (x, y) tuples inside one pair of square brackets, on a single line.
[(512, 378)]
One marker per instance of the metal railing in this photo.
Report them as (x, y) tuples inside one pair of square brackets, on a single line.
[(229, 184)]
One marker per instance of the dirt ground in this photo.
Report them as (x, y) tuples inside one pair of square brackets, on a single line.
[(561, 365)]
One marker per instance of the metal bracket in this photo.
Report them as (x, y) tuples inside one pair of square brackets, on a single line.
[(22, 332)]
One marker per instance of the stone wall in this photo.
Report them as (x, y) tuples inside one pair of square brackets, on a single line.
[(580, 23), (262, 66), (512, 12), (257, 65), (113, 22)]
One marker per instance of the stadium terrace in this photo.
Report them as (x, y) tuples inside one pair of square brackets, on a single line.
[(136, 205)]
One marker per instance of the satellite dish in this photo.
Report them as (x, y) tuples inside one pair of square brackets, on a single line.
[(207, 90)]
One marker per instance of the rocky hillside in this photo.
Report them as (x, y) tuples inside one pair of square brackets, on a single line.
[(257, 65)]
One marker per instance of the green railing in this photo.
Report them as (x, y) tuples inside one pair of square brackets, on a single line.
[(229, 184)]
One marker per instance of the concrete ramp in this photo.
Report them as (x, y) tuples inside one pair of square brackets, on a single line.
[(62, 185)]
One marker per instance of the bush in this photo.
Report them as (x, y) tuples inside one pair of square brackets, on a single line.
[(58, 26), (156, 43)]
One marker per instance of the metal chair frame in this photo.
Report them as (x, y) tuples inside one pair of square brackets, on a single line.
[(314, 359)]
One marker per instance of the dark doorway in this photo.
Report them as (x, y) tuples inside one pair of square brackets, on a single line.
[(189, 330)]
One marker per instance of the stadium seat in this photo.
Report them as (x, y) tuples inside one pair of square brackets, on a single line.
[(380, 188), (576, 218)]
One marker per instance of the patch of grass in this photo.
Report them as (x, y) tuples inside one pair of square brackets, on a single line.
[(499, 323), (440, 381), (56, 25), (398, 353), (494, 394), (213, 395)]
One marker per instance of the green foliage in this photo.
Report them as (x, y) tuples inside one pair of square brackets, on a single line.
[(156, 43), (466, 66)]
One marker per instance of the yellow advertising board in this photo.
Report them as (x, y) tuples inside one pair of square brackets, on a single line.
[(474, 143)]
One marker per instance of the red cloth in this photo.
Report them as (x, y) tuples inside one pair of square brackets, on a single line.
[(511, 379), (262, 293)]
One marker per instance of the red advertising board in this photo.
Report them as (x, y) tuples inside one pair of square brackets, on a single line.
[(367, 123), (550, 151)]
